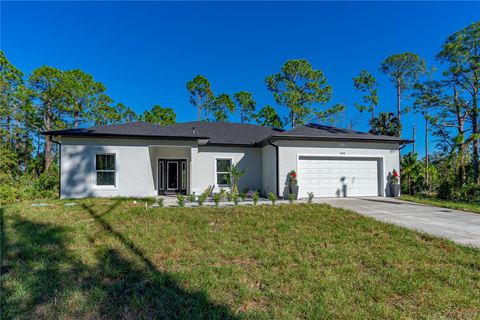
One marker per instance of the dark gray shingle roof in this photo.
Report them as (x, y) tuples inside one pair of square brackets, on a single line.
[(227, 132), (318, 131), (140, 129), (215, 132), (223, 132)]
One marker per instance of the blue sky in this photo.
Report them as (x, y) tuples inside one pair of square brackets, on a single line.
[(146, 52)]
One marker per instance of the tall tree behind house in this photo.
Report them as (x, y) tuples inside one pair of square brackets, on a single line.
[(299, 87), (403, 69), (461, 54)]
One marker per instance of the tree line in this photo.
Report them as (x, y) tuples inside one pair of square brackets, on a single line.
[(51, 99)]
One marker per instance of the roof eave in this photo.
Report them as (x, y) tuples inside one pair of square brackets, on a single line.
[(220, 144), (119, 136), (313, 138)]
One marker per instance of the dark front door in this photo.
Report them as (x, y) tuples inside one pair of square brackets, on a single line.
[(172, 176)]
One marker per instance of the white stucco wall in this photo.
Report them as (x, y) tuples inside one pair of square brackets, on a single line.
[(136, 165), (137, 161), (250, 158), (269, 169), (387, 153)]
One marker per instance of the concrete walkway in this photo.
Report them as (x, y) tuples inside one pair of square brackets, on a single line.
[(459, 226)]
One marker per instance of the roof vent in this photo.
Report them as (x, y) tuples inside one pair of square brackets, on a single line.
[(193, 130)]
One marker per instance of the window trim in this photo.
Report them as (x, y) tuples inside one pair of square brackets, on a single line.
[(109, 186), (216, 172)]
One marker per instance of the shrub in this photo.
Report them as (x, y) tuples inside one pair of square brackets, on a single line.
[(160, 202), (208, 191), (291, 197), (255, 197), (8, 193), (192, 197), (201, 199), (223, 193), (235, 198), (447, 191), (272, 197), (228, 195), (470, 193), (310, 197), (243, 196), (28, 186), (180, 200), (217, 197)]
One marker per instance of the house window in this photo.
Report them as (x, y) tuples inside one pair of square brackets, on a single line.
[(222, 168), (105, 169)]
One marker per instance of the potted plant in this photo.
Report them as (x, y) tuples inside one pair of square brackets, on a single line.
[(293, 184), (394, 183)]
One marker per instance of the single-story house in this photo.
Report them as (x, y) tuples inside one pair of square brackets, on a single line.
[(141, 159)]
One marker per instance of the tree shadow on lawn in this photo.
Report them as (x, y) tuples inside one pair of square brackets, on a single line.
[(52, 276)]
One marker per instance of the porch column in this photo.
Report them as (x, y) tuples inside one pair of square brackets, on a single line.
[(194, 170)]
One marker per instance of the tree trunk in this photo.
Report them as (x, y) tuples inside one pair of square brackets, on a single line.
[(413, 138), (409, 185), (27, 140), (460, 132), (399, 94), (426, 154), (48, 153), (292, 116), (199, 109), (16, 144), (475, 141), (8, 138), (38, 144), (76, 119), (48, 143)]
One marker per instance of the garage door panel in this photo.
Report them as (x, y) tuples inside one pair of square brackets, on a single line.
[(338, 177)]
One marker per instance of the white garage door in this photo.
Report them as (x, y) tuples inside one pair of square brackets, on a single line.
[(337, 177)]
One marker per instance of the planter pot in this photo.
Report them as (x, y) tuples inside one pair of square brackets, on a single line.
[(394, 190)]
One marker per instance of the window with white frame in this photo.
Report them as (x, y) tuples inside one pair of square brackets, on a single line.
[(105, 169), (222, 171)]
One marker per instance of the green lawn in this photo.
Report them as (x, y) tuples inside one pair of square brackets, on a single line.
[(114, 259), (457, 205)]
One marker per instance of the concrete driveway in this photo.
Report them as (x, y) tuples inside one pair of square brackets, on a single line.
[(459, 226)]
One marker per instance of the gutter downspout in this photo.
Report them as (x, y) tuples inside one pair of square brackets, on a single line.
[(59, 166), (277, 167)]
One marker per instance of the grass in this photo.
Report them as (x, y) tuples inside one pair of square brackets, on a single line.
[(110, 258), (457, 205)]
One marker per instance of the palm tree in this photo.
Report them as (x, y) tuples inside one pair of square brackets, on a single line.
[(412, 171), (235, 174)]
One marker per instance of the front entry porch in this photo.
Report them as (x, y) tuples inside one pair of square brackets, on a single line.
[(172, 168), (172, 176)]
